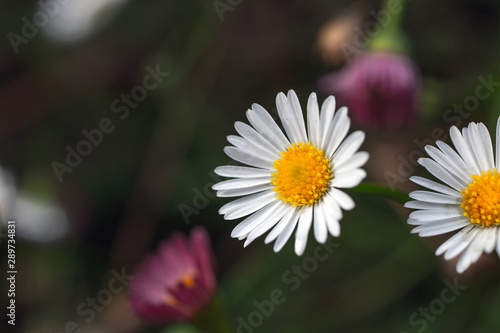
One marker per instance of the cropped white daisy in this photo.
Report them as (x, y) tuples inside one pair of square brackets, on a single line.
[(293, 180), (469, 200)]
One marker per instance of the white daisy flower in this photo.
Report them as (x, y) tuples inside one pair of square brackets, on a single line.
[(292, 180), (469, 200)]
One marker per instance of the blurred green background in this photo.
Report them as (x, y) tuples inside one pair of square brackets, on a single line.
[(128, 193)]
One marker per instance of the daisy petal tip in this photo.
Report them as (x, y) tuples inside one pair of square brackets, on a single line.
[(280, 97), (362, 135), (429, 147), (254, 107), (412, 179), (438, 252), (330, 99), (313, 97), (367, 156), (462, 267), (411, 221), (421, 160), (299, 251), (412, 196), (450, 255)]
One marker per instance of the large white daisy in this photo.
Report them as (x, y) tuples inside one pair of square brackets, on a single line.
[(469, 200), (292, 180)]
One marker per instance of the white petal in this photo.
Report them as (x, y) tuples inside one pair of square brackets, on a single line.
[(320, 229), (286, 233), (248, 204), (354, 162), (235, 140), (262, 121), (303, 228), (473, 251), (439, 172), (452, 241), (479, 243), (313, 120), (248, 224), (299, 116), (471, 135), (241, 172), (250, 134), (435, 215), (337, 131), (463, 149), (350, 145), (498, 146), (491, 240), (447, 163), (278, 229), (248, 147), (429, 205), (332, 222), (465, 241), (237, 183), (243, 191), (498, 243), (348, 179), (267, 224), (439, 227), (289, 119), (248, 157), (432, 185), (342, 198), (325, 119), (455, 159), (434, 197), (330, 207), (483, 148)]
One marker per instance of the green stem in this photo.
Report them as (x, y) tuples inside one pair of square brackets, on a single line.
[(389, 18), (383, 191), (396, 13)]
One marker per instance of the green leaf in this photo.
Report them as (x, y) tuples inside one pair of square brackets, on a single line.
[(383, 191)]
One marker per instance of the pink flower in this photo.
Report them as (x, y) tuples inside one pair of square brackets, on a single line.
[(177, 281), (379, 88)]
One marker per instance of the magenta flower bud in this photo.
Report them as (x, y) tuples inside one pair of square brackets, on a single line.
[(379, 88), (177, 281)]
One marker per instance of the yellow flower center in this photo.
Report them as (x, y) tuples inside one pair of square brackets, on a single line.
[(187, 280), (302, 174), (481, 203)]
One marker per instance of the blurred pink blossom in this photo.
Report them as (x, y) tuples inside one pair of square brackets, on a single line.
[(177, 281), (379, 88)]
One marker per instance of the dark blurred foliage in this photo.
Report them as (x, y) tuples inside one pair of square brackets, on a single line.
[(126, 195)]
